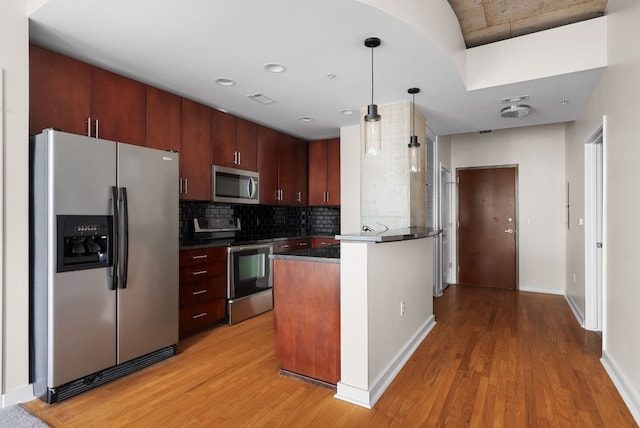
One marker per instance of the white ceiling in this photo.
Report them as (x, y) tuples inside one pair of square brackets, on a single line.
[(183, 46)]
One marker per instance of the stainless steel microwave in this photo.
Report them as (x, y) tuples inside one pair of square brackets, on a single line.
[(235, 186)]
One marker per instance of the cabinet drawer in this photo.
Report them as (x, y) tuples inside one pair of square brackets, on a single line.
[(197, 317), (202, 290), (200, 272), (301, 244), (322, 242), (202, 256)]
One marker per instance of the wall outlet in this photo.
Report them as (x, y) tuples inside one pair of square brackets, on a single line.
[(402, 308)]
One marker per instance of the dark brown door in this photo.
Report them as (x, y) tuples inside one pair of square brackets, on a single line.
[(487, 227)]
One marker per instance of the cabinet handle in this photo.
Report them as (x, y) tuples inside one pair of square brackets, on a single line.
[(299, 197), (97, 128), (284, 246), (180, 186), (239, 158), (186, 186), (88, 127), (195, 293), (203, 314), (235, 158), (203, 256), (303, 244), (200, 272)]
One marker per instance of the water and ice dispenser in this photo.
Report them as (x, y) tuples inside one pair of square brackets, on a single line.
[(84, 242)]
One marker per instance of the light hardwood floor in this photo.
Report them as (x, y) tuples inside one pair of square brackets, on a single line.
[(496, 358)]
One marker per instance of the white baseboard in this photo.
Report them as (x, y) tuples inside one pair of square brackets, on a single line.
[(575, 309), (369, 398), (629, 396), (541, 290), (17, 396)]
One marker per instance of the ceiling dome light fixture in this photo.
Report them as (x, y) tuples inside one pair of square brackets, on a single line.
[(372, 125), (275, 68), (415, 165), (515, 111), (223, 81), (306, 119), (347, 112)]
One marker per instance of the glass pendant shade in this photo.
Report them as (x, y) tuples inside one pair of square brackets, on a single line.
[(415, 161), (372, 131)]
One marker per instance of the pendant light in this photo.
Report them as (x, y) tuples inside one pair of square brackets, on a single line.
[(372, 137), (414, 146)]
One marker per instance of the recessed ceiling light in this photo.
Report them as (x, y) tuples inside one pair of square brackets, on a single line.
[(262, 99), (331, 75), (347, 112), (565, 101), (306, 119), (515, 111), (223, 81), (275, 68)]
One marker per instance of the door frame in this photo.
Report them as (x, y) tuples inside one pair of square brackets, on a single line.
[(445, 183), (516, 221), (593, 231)]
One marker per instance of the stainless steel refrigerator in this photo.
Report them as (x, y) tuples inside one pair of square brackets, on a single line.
[(104, 238)]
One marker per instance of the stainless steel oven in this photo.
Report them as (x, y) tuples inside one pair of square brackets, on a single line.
[(249, 281)]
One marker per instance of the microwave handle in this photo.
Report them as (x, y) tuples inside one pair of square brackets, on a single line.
[(252, 187)]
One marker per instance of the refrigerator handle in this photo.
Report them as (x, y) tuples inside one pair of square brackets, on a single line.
[(114, 242), (125, 222)]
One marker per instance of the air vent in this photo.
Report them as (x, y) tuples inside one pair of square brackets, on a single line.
[(261, 98)]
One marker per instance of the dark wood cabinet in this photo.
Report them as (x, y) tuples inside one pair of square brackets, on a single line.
[(302, 179), (59, 92), (234, 141), (117, 107), (323, 241), (267, 148), (292, 244), (281, 163), (81, 99), (163, 119), (202, 289), (324, 172), (307, 318), (195, 151)]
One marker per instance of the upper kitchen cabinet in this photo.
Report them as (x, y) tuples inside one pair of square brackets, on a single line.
[(282, 160), (163, 120), (117, 107), (75, 97), (59, 92), (195, 152), (324, 172), (233, 142), (267, 148)]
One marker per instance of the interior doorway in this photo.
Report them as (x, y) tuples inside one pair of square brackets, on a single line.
[(593, 239), (446, 224), (487, 226)]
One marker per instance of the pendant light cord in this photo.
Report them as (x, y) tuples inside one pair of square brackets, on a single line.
[(413, 115), (371, 75)]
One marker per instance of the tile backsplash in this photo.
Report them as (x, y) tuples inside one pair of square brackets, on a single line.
[(264, 221)]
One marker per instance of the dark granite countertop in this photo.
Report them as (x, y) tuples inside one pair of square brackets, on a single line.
[(191, 244), (327, 254)]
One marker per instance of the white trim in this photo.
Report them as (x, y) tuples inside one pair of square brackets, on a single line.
[(593, 146), (575, 309), (19, 395), (541, 290), (629, 396), (369, 398)]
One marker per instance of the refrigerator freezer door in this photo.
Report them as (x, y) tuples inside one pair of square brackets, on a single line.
[(148, 302), (82, 310)]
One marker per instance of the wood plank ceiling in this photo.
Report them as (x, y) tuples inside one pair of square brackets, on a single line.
[(487, 21)]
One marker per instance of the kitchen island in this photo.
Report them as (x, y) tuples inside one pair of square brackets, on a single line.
[(306, 294)]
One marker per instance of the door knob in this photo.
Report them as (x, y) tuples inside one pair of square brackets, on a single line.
[(508, 231)]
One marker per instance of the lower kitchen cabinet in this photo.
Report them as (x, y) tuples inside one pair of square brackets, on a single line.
[(291, 244), (202, 289), (323, 241), (307, 318)]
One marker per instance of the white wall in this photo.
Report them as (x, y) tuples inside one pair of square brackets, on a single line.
[(576, 133), (14, 59), (539, 153), (621, 340)]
